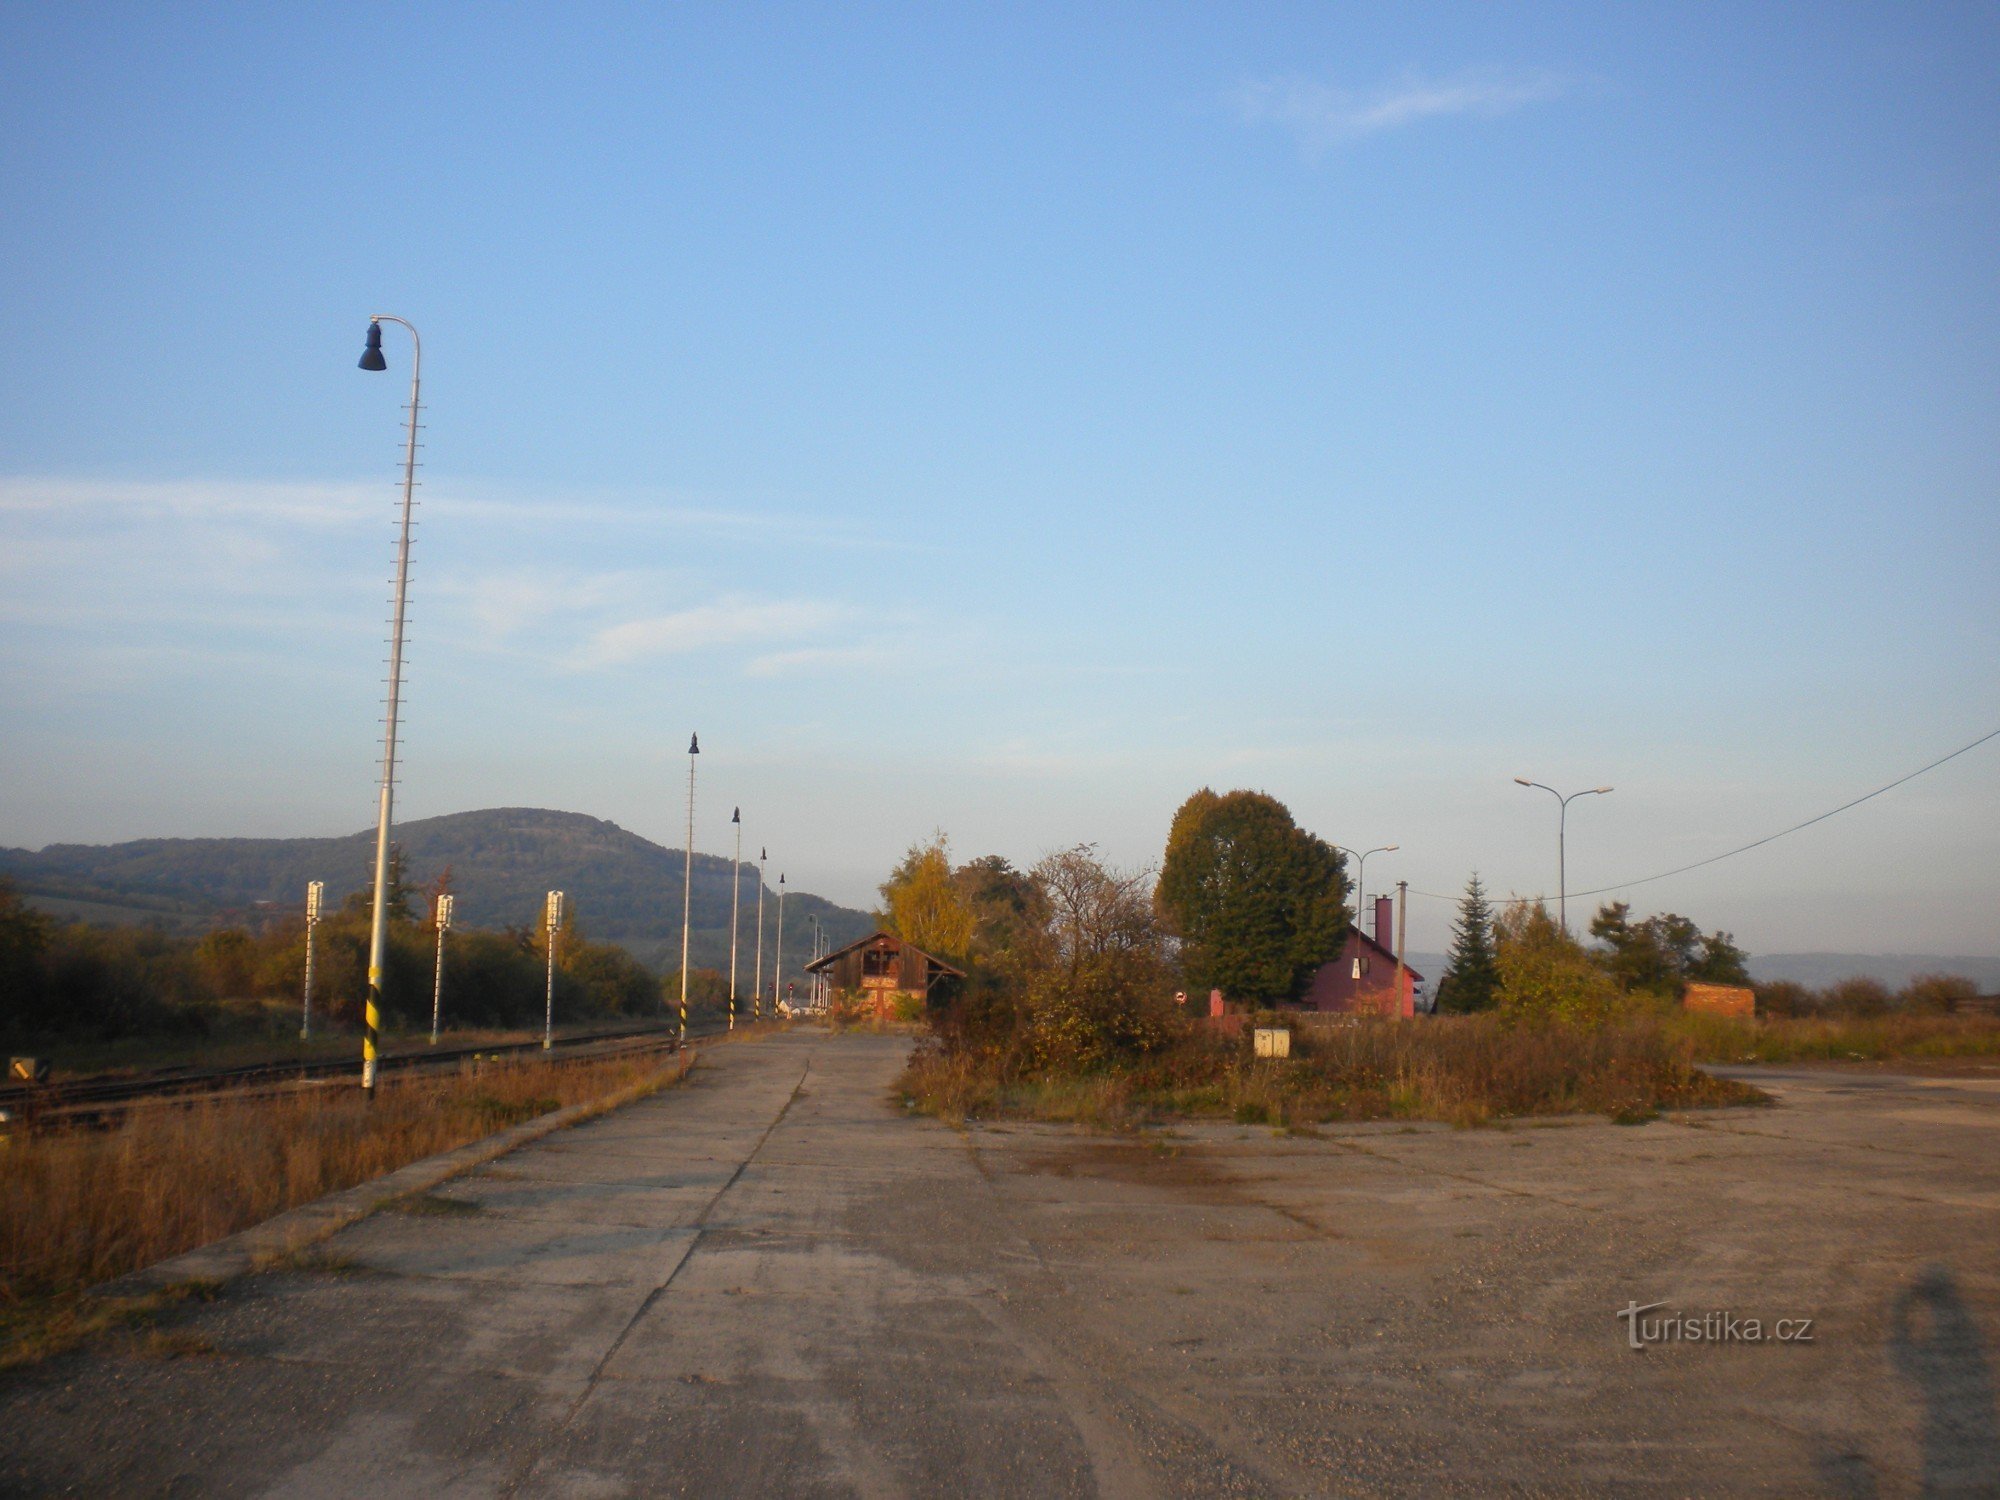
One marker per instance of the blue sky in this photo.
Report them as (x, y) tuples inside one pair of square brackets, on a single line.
[(1009, 420)]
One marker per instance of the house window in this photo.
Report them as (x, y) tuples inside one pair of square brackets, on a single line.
[(878, 963)]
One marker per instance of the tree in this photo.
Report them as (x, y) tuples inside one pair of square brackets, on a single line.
[(1096, 965), (1005, 904), (1257, 902), (1664, 952), (396, 894), (1472, 978), (24, 939), (1544, 972), (923, 904), (1721, 961)]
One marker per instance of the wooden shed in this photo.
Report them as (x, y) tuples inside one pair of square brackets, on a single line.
[(885, 967)]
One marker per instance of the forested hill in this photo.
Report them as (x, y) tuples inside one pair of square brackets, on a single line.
[(625, 889)]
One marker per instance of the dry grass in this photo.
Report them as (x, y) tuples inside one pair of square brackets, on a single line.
[(1462, 1070), (82, 1207), (1774, 1039)]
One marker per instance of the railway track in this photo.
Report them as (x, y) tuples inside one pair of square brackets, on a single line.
[(102, 1100)]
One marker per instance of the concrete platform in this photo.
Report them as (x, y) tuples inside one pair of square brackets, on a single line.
[(774, 1281)]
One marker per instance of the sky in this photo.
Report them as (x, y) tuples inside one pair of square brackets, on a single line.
[(1008, 420)]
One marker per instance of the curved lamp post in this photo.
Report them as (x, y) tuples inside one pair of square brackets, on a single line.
[(1562, 840), (378, 930), (1360, 874)]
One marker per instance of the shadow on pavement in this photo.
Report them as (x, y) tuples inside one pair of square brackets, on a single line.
[(1936, 1346)]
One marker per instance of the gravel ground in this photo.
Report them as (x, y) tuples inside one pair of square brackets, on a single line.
[(774, 1281)]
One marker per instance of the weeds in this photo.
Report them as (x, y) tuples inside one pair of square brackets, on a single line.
[(1773, 1039), (1464, 1070), (80, 1208)]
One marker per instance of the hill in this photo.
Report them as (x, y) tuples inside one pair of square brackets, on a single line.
[(625, 889)]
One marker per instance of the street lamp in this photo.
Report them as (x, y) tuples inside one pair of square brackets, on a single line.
[(687, 885), (1562, 839), (378, 930), (778, 962), (757, 988), (1360, 872)]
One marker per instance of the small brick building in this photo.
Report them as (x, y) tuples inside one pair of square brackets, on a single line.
[(1362, 980)]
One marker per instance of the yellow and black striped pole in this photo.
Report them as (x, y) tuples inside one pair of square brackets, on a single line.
[(378, 934)]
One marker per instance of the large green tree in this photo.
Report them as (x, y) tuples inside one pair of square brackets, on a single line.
[(1257, 902), (1663, 952), (1472, 979)]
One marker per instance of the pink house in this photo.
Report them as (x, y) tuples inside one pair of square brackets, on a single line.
[(1362, 981)]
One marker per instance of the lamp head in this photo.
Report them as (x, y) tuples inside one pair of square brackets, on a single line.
[(1523, 781), (371, 357), (1390, 848), (1601, 789), (694, 744), (737, 816)]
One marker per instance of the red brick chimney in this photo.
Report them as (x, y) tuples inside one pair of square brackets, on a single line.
[(1385, 922)]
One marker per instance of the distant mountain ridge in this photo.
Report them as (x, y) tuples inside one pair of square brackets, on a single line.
[(1894, 969), (625, 889)]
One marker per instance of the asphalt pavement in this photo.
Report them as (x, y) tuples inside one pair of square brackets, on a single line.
[(776, 1280)]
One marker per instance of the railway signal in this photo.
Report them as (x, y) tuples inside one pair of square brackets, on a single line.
[(555, 916), (444, 906), (315, 896)]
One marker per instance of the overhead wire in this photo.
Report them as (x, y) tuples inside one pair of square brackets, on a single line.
[(1768, 838)]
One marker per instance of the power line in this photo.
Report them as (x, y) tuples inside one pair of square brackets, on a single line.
[(1769, 837)]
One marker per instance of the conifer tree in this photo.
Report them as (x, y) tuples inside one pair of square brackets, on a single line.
[(1473, 979)]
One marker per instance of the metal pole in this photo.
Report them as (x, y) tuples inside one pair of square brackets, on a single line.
[(757, 989), (1562, 839), (735, 900), (778, 963), (687, 884), (315, 892), (555, 927), (1402, 937), (378, 931), (437, 982), (1562, 865), (1361, 876)]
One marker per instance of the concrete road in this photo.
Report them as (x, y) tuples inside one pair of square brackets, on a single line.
[(774, 1281)]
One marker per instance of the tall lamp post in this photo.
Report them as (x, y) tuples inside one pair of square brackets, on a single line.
[(735, 900), (378, 930), (687, 884), (1360, 875), (778, 963), (1562, 839), (757, 989)]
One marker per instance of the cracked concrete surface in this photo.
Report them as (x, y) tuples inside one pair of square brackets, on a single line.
[(775, 1281)]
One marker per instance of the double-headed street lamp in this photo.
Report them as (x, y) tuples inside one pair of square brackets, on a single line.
[(1562, 839), (378, 931), (1360, 871)]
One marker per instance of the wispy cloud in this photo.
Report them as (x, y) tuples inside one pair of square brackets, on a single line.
[(701, 626), (807, 658), (1323, 116)]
